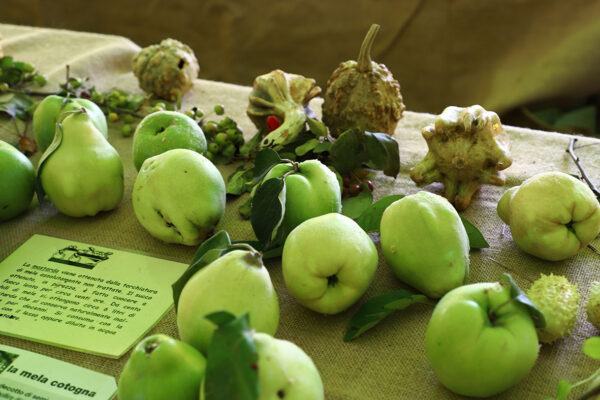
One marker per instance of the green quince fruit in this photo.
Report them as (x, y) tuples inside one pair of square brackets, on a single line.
[(479, 342), (162, 368), (328, 263), (551, 215), (237, 282), (17, 181), (311, 191), (179, 197), (50, 109), (166, 130), (425, 243), (84, 175)]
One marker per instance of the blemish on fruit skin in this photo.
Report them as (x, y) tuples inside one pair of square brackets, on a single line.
[(280, 393), (393, 249)]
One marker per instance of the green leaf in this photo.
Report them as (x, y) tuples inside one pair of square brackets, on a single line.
[(377, 308), (268, 209), (264, 161), (476, 239), (383, 153), (346, 152), (583, 118), (353, 207), (322, 147), (240, 181), (250, 146), (591, 347), (245, 209), (519, 295), (231, 367), (563, 390), (15, 105), (370, 219), (207, 252), (318, 128), (306, 147)]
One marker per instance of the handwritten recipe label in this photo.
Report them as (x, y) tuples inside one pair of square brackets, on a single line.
[(83, 297)]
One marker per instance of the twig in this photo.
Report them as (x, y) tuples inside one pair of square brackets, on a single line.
[(595, 250), (584, 175)]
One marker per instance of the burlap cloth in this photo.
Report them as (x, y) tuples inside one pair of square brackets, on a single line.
[(386, 363)]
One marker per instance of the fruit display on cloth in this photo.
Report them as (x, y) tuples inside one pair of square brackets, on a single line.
[(467, 148), (425, 243), (161, 367), (49, 110), (81, 173), (237, 282), (179, 196), (167, 69), (166, 130), (277, 105), (558, 300), (17, 182), (328, 262), (479, 342), (362, 94), (551, 215)]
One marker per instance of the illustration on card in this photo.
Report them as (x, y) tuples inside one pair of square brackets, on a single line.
[(6, 359), (85, 258)]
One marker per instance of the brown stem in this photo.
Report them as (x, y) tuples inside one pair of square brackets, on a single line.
[(584, 175), (364, 56)]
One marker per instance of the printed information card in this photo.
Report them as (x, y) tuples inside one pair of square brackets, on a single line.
[(81, 297), (29, 376)]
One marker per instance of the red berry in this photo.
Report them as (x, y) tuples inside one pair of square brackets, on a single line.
[(346, 181), (355, 189), (370, 185), (344, 191), (272, 123)]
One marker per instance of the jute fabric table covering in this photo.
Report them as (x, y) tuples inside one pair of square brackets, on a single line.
[(388, 362)]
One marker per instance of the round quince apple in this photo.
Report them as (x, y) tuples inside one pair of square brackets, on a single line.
[(17, 181), (551, 215)]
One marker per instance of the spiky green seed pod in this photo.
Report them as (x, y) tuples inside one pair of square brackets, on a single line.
[(593, 305), (558, 300)]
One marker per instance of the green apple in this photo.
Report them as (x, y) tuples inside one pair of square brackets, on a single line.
[(179, 196), (328, 263), (17, 181), (162, 368), (425, 243), (479, 342), (84, 175), (47, 112), (237, 282), (551, 215), (166, 130), (311, 191)]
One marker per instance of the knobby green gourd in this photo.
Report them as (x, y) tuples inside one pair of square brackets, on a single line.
[(425, 243), (84, 175)]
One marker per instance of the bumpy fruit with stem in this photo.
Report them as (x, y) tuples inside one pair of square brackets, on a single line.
[(592, 306)]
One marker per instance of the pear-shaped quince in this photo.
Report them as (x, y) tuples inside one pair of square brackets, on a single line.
[(551, 215), (162, 368), (237, 282), (84, 175)]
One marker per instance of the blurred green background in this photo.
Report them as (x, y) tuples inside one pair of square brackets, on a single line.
[(535, 62)]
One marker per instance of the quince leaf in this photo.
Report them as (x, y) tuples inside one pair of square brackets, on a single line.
[(476, 239), (317, 128), (377, 308), (591, 347), (16, 105), (231, 362), (370, 218), (268, 208), (347, 152), (306, 147), (240, 180), (245, 209), (264, 161), (251, 144), (209, 251), (383, 153), (322, 147), (354, 207), (517, 294)]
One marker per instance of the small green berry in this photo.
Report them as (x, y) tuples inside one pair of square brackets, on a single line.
[(113, 117), (157, 109), (210, 128), (199, 113), (214, 148), (128, 118), (209, 155), (219, 109), (126, 130), (161, 105), (226, 123), (232, 134), (221, 138), (97, 97), (229, 151), (190, 113), (4, 87), (40, 80)]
